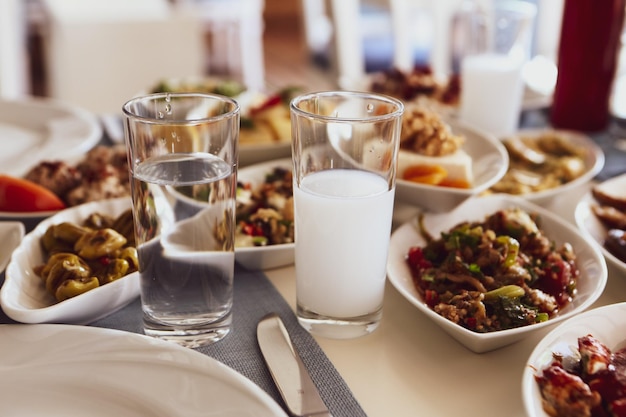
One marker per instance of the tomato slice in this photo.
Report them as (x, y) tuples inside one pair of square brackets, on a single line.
[(20, 195)]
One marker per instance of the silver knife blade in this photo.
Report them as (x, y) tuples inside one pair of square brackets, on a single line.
[(287, 369)]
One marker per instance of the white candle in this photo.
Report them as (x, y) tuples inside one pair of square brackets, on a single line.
[(491, 93)]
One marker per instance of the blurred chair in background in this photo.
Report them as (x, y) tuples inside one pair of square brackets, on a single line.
[(99, 53), (13, 56), (373, 35), (418, 32), (408, 32), (235, 32)]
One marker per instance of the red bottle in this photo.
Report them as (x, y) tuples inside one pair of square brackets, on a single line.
[(587, 60)]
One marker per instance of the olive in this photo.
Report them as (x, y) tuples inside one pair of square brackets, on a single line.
[(99, 243), (125, 225), (115, 269), (66, 268), (129, 254), (69, 232), (73, 287)]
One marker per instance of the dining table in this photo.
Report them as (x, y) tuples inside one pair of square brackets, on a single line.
[(408, 366)]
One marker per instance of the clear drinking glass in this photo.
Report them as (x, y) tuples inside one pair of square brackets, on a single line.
[(492, 84), (345, 147), (182, 151)]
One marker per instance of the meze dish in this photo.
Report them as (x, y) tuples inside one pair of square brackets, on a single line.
[(24, 296), (52, 185), (264, 236), (601, 215), (265, 210), (517, 272), (454, 163), (591, 382), (577, 369), (544, 163), (265, 131), (495, 274)]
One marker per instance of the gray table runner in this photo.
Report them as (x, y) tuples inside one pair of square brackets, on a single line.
[(254, 297)]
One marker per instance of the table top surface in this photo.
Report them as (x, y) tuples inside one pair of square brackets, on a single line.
[(409, 366)]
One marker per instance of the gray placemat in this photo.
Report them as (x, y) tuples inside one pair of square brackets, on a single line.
[(255, 296)]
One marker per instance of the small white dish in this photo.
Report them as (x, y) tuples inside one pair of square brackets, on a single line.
[(11, 234), (23, 296), (593, 158), (37, 129), (88, 371), (591, 283), (490, 161), (591, 226), (264, 257), (607, 324)]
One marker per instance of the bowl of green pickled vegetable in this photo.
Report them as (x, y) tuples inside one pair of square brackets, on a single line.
[(75, 267)]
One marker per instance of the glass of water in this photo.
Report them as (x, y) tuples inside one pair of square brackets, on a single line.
[(182, 151), (345, 147)]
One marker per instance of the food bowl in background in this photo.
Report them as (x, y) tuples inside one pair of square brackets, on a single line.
[(591, 156), (489, 163)]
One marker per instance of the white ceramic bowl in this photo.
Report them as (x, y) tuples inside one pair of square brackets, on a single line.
[(593, 228), (607, 324), (490, 161), (23, 296), (264, 257), (593, 270), (593, 158)]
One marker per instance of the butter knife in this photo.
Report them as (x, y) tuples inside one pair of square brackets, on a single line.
[(287, 370)]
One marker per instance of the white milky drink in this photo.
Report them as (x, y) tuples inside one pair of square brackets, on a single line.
[(186, 262), (491, 96), (343, 226)]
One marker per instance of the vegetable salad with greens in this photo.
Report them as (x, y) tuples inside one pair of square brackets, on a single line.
[(497, 274)]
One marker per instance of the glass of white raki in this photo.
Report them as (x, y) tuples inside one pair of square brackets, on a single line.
[(345, 147)]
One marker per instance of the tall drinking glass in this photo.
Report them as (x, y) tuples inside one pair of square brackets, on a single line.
[(182, 151), (345, 147), (492, 87)]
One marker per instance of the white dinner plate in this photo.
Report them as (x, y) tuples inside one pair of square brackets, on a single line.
[(264, 257), (36, 129), (607, 324), (23, 296), (591, 282), (589, 224), (11, 234), (61, 370)]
